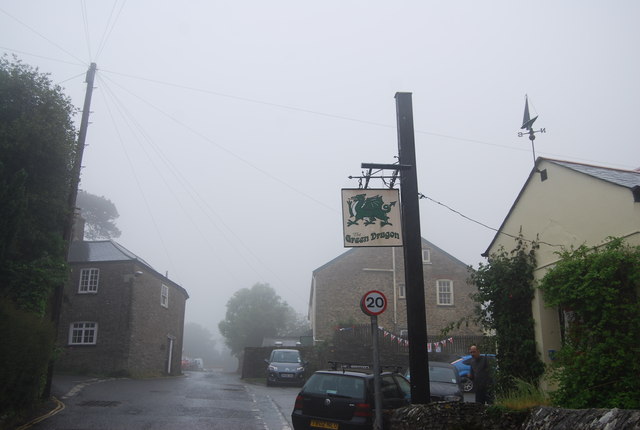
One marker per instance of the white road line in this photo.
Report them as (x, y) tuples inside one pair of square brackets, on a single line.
[(283, 419)]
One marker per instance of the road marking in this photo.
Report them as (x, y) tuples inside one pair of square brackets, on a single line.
[(283, 419)]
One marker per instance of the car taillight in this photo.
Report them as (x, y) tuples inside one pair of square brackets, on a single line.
[(363, 410), (298, 404)]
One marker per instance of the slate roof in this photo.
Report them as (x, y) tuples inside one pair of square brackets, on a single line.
[(101, 251), (355, 249), (625, 178)]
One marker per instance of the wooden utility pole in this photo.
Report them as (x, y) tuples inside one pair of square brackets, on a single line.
[(67, 233), (412, 238)]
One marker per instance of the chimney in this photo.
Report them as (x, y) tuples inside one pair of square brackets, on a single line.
[(77, 235)]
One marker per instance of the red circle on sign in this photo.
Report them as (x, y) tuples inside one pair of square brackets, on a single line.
[(373, 303)]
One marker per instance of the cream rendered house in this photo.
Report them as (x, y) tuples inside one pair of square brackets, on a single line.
[(565, 204)]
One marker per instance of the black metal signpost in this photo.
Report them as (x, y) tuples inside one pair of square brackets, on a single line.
[(414, 276), (412, 247)]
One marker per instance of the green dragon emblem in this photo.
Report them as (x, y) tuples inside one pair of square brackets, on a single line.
[(368, 209)]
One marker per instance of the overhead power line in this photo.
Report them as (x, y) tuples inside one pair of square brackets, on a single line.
[(41, 35), (341, 117), (422, 196)]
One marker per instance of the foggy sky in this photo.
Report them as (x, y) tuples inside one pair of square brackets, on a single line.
[(223, 132)]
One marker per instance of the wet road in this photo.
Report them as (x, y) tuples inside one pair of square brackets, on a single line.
[(198, 400)]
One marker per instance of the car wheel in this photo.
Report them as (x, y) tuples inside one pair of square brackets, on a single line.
[(467, 385), (268, 383)]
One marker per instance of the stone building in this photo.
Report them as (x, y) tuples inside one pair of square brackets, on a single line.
[(338, 286), (119, 316)]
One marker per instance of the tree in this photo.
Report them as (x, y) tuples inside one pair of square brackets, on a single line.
[(295, 324), (505, 292), (596, 289), (99, 214), (37, 148), (252, 314)]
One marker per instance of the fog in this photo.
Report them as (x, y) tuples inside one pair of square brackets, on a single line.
[(224, 131)]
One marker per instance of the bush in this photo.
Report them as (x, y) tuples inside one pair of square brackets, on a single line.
[(597, 291), (505, 291), (523, 396), (25, 354)]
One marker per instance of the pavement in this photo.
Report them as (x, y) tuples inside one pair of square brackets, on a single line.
[(63, 387), (66, 386)]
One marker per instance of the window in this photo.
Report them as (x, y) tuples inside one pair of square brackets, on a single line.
[(89, 281), (164, 296), (426, 256), (402, 291), (445, 292), (83, 333)]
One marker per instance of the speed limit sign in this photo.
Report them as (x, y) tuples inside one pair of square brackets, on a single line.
[(373, 303)]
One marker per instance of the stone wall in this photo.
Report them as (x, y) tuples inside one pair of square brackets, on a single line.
[(109, 308), (473, 416), (133, 327)]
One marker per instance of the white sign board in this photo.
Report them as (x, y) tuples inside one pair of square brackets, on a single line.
[(371, 217)]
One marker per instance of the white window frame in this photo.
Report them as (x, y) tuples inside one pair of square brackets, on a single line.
[(426, 256), (83, 333), (164, 296), (402, 291), (89, 280), (441, 293)]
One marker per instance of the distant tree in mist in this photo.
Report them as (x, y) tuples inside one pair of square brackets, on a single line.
[(99, 214), (199, 343), (252, 314), (295, 325)]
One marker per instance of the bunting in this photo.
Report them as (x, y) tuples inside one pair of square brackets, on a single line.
[(431, 346), (437, 346)]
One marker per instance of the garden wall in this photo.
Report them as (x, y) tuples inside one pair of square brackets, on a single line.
[(473, 416)]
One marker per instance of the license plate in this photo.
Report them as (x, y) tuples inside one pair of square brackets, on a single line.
[(286, 375), (324, 425)]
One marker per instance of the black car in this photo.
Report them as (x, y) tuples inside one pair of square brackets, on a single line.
[(444, 382), (285, 366), (343, 399)]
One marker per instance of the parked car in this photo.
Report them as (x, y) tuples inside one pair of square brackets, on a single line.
[(464, 369), (344, 399), (285, 366), (444, 382)]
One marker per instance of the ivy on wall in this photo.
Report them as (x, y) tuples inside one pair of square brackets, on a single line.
[(505, 291), (597, 289)]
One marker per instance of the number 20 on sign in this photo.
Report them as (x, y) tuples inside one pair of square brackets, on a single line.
[(373, 303)]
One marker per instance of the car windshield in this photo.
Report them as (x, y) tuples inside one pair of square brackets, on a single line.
[(337, 385), (286, 357), (442, 374)]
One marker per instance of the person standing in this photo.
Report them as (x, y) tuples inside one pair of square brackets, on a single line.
[(481, 375)]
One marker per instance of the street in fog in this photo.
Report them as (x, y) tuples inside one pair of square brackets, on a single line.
[(198, 400)]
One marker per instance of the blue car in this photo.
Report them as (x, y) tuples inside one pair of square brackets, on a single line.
[(464, 369)]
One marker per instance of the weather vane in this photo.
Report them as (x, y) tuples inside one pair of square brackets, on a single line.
[(527, 124)]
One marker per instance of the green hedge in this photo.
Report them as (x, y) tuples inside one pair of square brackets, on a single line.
[(27, 347)]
